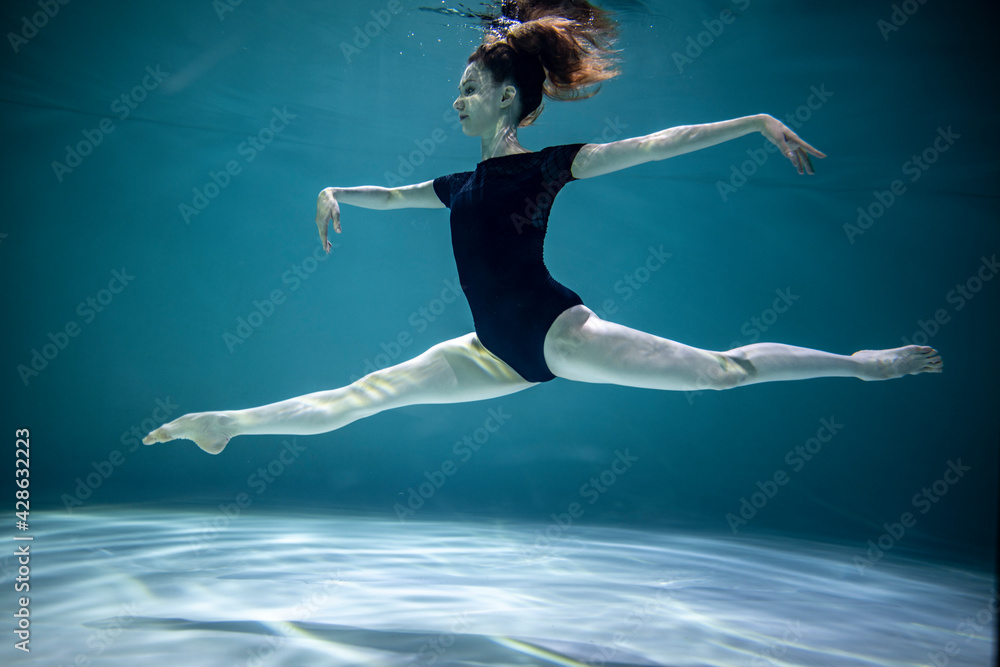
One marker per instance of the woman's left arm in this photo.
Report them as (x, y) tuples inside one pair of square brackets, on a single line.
[(597, 159)]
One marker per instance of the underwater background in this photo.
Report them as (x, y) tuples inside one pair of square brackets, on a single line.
[(160, 256)]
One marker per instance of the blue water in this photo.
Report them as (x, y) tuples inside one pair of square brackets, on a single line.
[(174, 268)]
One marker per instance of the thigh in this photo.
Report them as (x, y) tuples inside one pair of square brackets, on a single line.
[(581, 346), (454, 371)]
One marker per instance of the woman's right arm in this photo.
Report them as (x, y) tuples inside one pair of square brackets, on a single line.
[(421, 195)]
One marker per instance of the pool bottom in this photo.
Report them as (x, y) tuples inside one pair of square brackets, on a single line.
[(128, 587)]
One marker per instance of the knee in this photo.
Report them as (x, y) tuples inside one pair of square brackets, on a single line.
[(731, 369), (367, 396), (431, 373)]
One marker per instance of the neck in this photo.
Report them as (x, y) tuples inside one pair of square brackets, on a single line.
[(501, 141)]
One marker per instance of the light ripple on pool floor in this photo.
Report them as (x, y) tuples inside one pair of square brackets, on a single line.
[(138, 587)]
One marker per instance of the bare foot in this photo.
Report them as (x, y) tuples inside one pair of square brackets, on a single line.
[(209, 430), (900, 361)]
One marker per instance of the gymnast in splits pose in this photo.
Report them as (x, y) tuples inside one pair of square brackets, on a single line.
[(528, 327)]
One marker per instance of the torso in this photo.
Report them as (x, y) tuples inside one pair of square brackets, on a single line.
[(499, 217)]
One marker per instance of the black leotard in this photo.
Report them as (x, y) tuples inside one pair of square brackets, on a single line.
[(499, 215)]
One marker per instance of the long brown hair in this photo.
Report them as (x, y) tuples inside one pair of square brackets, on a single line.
[(559, 48)]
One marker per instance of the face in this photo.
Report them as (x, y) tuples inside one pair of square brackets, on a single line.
[(480, 102)]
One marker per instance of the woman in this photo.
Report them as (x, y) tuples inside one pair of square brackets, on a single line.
[(529, 328)]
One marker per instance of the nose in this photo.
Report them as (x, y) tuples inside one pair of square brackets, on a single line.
[(457, 104)]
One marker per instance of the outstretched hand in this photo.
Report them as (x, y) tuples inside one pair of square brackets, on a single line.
[(790, 145), (327, 211)]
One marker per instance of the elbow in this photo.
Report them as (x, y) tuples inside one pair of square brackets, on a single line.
[(392, 198)]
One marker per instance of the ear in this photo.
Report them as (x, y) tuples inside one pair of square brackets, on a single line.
[(509, 95)]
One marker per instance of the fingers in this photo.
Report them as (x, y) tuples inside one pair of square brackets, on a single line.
[(803, 150), (808, 163), (791, 153), (798, 151), (324, 232), (793, 138), (800, 157), (809, 149), (785, 149), (333, 214), (796, 160)]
